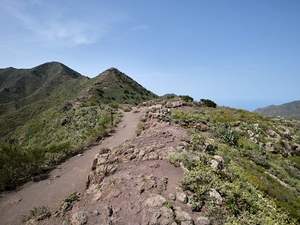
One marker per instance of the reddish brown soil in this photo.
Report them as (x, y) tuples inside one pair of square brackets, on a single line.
[(66, 178)]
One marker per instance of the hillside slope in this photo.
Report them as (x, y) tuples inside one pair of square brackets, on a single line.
[(21, 87), (193, 166), (51, 112), (287, 110), (114, 86)]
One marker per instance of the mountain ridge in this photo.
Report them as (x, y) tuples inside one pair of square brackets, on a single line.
[(21, 87), (290, 110)]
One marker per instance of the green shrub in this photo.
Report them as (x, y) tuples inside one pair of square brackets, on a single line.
[(225, 118), (169, 205), (36, 213), (208, 103), (18, 165), (104, 150), (140, 127), (114, 105), (70, 199), (226, 134), (125, 107), (176, 157), (186, 98), (254, 152), (195, 179)]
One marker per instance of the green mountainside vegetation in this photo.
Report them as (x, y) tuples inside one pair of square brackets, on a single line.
[(51, 112), (251, 160), (287, 110)]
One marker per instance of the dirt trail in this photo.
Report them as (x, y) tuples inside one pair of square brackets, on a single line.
[(68, 177)]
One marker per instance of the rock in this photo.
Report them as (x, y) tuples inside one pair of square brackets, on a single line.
[(109, 210), (183, 167), (209, 148), (172, 197), (153, 156), (165, 181), (217, 163), (187, 223), (66, 207), (183, 216), (32, 222), (96, 213), (272, 133), (237, 123), (115, 193), (270, 147), (214, 164), (174, 104), (251, 134), (79, 218), (142, 153), (215, 196), (43, 216), (153, 201), (254, 140), (181, 196), (163, 216), (201, 220)]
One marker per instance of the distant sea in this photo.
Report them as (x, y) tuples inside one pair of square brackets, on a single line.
[(250, 105)]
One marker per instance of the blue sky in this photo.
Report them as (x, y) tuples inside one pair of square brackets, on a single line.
[(238, 53)]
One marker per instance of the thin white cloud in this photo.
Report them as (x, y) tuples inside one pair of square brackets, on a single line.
[(53, 26), (70, 32)]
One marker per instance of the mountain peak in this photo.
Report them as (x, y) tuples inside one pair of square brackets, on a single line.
[(20, 87)]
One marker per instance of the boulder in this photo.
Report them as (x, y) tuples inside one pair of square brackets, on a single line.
[(217, 163), (251, 134), (201, 220), (183, 216), (163, 216), (181, 196), (172, 197), (272, 133), (215, 196), (153, 201), (79, 218)]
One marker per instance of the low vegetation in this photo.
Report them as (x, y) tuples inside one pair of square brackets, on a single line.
[(62, 118), (259, 180), (36, 213), (50, 138)]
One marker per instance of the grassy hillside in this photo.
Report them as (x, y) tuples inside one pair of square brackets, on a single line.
[(115, 86), (259, 179), (287, 110), (21, 87), (61, 113)]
